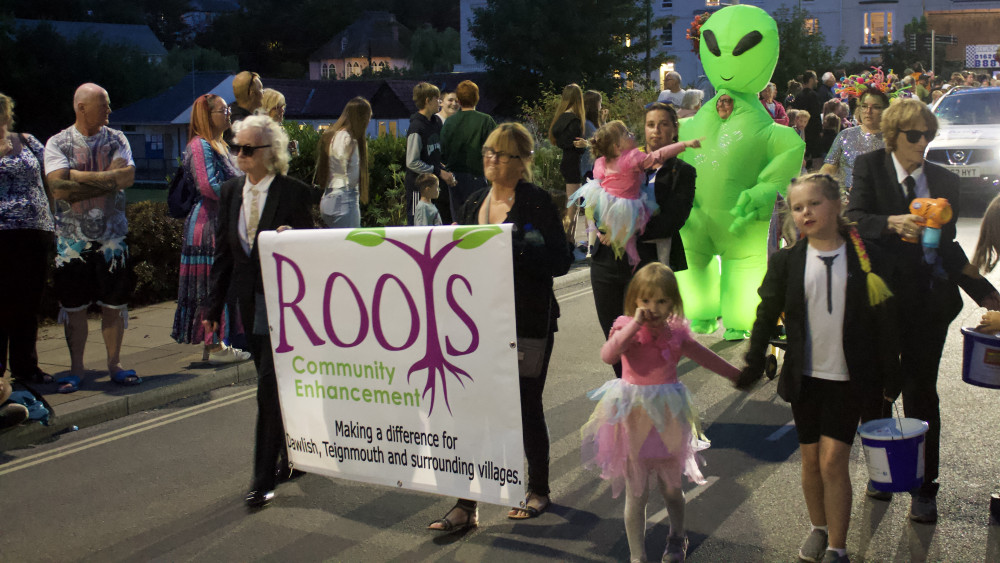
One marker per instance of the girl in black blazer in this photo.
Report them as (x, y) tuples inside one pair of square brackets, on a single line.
[(832, 373)]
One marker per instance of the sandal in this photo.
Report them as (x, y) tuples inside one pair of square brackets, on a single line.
[(526, 511), (446, 525), (126, 377), (69, 384)]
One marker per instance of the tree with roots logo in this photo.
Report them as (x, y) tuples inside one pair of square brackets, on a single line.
[(435, 359)]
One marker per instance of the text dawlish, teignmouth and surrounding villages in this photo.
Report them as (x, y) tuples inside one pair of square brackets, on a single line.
[(397, 436)]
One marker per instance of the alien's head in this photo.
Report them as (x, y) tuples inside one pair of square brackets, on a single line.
[(739, 48)]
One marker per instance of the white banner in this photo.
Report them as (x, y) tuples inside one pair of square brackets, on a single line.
[(395, 356), (982, 56)]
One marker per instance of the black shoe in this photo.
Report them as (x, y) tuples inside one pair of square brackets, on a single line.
[(995, 506), (258, 498)]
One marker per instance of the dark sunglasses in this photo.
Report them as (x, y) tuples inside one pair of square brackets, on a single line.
[(247, 150), (913, 135)]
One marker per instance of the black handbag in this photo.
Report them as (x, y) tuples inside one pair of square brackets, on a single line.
[(182, 194)]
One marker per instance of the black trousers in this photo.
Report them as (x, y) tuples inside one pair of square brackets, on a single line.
[(270, 434), (609, 279), (26, 255), (920, 357)]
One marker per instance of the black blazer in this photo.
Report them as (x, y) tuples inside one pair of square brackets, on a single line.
[(875, 195), (869, 336), (288, 203), (673, 189), (537, 259)]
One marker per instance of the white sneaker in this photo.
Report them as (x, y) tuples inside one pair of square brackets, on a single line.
[(228, 355)]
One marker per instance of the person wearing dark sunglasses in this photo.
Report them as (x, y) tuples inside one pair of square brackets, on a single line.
[(885, 183), (262, 199)]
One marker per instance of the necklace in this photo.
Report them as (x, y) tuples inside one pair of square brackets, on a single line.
[(503, 200)]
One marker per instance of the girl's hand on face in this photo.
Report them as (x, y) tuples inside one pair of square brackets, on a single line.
[(641, 316)]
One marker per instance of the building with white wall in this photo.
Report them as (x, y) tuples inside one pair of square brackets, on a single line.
[(859, 24)]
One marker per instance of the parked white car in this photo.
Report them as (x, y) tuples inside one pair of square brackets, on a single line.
[(968, 139)]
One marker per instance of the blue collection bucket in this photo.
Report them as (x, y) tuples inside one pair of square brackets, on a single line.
[(894, 449), (981, 359)]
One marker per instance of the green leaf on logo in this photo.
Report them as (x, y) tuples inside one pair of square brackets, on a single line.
[(367, 237), (475, 235)]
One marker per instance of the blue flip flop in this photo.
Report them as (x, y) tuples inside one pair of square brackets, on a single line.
[(72, 380), (122, 377)]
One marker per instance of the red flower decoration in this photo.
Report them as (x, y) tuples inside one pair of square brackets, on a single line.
[(694, 32)]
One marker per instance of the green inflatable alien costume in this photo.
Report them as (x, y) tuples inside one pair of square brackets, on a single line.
[(744, 162)]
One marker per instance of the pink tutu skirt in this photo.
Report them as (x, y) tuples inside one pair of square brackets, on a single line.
[(640, 432), (620, 218)]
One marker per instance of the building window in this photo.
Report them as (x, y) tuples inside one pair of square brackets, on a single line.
[(668, 36), (667, 4), (712, 2), (356, 69), (811, 26), (878, 26)]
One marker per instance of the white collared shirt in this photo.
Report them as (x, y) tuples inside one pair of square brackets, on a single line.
[(918, 175), (825, 357), (248, 201)]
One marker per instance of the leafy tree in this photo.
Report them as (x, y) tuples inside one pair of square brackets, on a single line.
[(527, 44), (162, 16), (434, 51), (42, 70), (801, 51)]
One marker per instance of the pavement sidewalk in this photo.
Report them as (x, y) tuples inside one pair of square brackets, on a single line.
[(169, 371)]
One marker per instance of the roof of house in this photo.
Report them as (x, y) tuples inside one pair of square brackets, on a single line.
[(304, 99), (139, 36), (174, 104), (374, 34)]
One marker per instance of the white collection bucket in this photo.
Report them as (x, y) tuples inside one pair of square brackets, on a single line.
[(981, 359), (894, 449)]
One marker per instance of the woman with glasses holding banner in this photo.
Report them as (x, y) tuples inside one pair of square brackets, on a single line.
[(540, 253)]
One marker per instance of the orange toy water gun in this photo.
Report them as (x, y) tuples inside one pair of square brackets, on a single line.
[(936, 213)]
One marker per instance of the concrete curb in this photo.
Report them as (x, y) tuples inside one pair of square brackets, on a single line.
[(162, 390), (152, 394)]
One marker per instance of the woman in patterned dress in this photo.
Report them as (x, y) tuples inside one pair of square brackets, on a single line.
[(207, 163)]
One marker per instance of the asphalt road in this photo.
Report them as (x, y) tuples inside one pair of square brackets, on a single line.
[(167, 485)]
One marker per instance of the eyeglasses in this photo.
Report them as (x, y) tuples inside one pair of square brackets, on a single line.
[(247, 150), (872, 108), (504, 158), (913, 135), (226, 111), (725, 101)]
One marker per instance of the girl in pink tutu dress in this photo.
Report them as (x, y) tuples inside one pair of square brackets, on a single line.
[(644, 431), (614, 200)]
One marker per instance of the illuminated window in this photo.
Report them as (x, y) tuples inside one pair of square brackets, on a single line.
[(811, 26), (878, 26), (712, 2), (668, 36)]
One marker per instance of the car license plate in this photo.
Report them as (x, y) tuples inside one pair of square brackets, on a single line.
[(965, 171)]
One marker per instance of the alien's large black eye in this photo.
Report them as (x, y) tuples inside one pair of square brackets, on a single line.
[(749, 41), (711, 42)]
